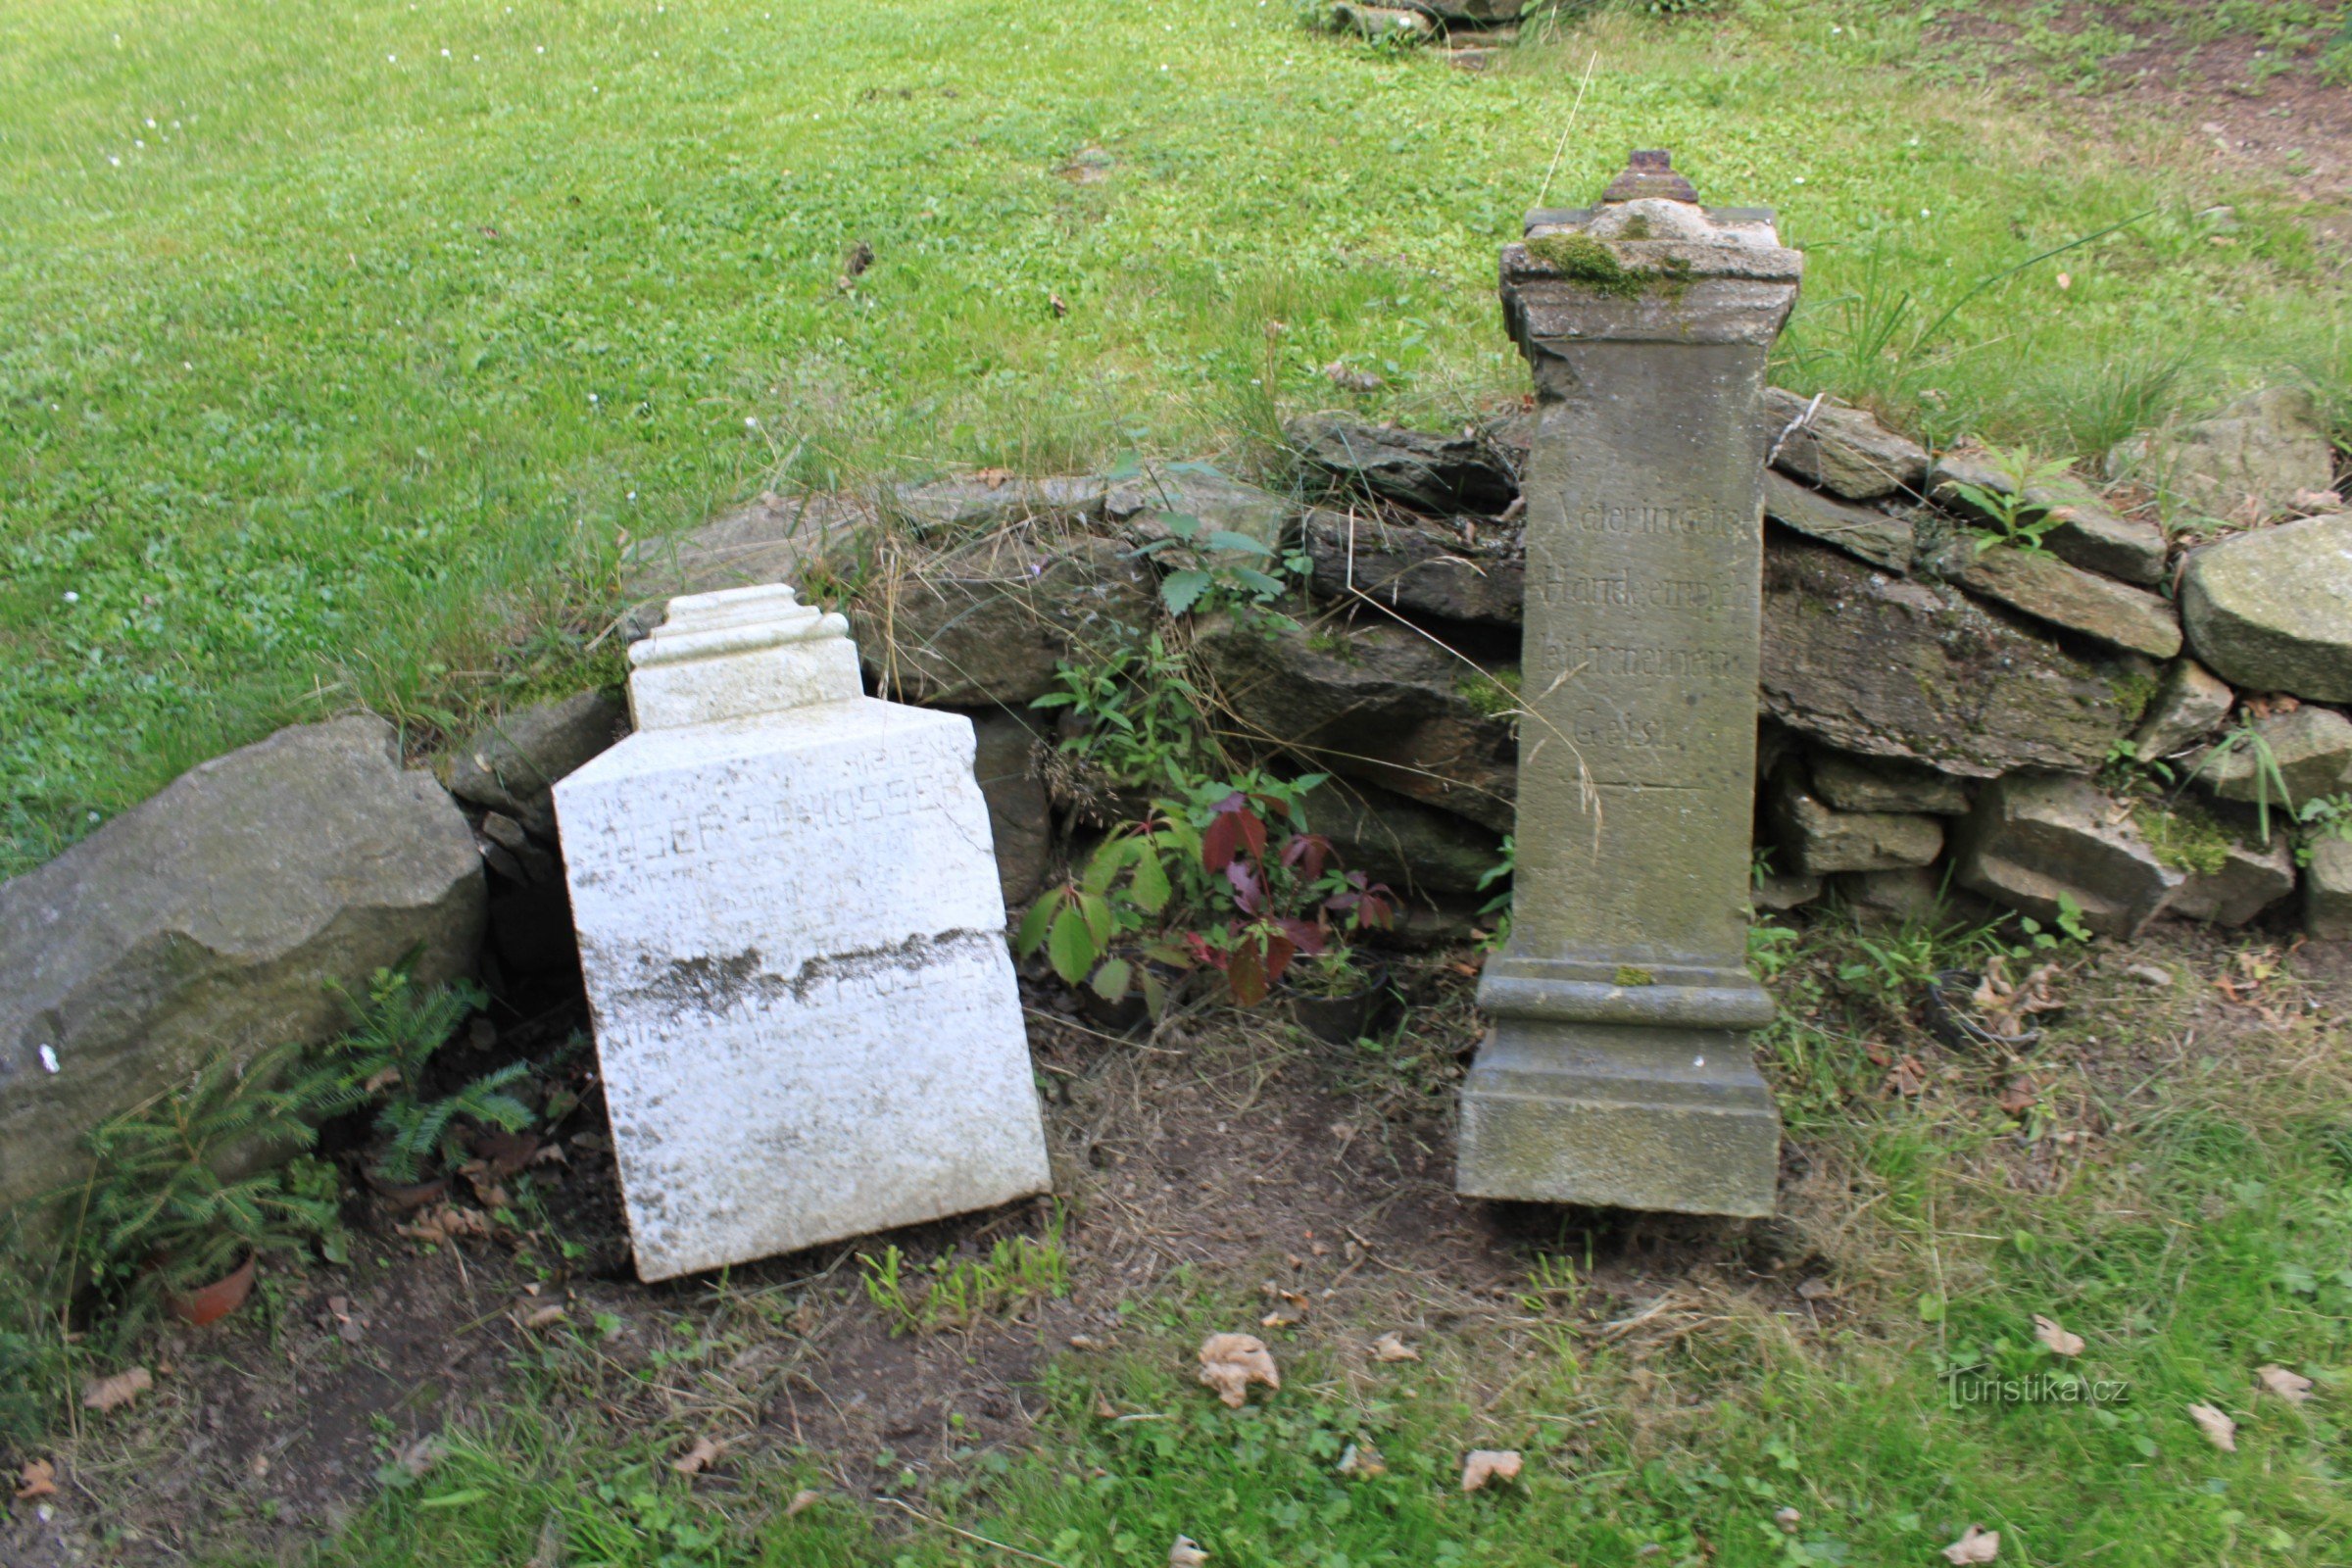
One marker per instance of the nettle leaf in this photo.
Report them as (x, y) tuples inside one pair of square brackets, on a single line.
[(1070, 948), (1257, 582), (1127, 467), (1149, 885), (1111, 982), (1095, 909), (1183, 524), (1181, 590), (1227, 539), (1036, 923)]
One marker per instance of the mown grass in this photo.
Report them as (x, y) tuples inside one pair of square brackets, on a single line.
[(2189, 1216), (341, 349)]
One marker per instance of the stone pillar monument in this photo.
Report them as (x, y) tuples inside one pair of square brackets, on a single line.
[(1619, 1070), (794, 942)]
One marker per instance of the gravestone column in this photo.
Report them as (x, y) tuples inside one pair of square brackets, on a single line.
[(1619, 1070)]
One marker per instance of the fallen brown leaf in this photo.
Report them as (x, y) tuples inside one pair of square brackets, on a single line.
[(547, 1317), (1186, 1552), (1909, 1078), (1363, 1459), (2019, 1096), (1391, 1347), (1483, 1465), (421, 1455), (2292, 1386), (108, 1394), (699, 1459), (38, 1479), (2057, 1341), (1231, 1362), (1105, 1410), (1973, 1545), (2219, 1429), (447, 1223), (802, 1501)]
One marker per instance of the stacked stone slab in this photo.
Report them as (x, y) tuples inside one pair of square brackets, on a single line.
[(792, 932)]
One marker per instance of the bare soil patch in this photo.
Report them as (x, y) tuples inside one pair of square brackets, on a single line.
[(1306, 1187)]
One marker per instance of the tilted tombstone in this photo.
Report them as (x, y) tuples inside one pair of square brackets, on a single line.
[(793, 937), (1619, 1071)]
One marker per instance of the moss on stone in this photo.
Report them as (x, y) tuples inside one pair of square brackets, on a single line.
[(1494, 693), (1588, 261), (1629, 975), (2186, 837), (2133, 692)]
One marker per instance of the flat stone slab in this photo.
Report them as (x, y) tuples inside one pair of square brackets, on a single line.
[(2271, 610), (2328, 891), (793, 937), (1892, 668), (1839, 448), (1859, 531), (2074, 600)]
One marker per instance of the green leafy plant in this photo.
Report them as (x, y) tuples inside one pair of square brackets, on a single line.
[(2322, 818), (1209, 568), (1336, 971), (1105, 928), (397, 1030), (2066, 926), (1139, 713), (2017, 521), (183, 1189)]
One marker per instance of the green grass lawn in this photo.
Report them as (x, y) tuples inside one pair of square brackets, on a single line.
[(341, 348)]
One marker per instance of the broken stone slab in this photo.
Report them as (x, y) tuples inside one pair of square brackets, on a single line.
[(510, 763), (1430, 472), (1782, 891), (2189, 704), (1008, 763), (1372, 700), (1916, 671), (2068, 597), (2236, 884), (1860, 531), (961, 505), (1841, 449), (1423, 570), (2311, 746), (2088, 533), (215, 917), (793, 938), (986, 622), (1818, 840), (2269, 610), (2033, 837), (1196, 490), (2246, 463), (2328, 891), (1851, 783)]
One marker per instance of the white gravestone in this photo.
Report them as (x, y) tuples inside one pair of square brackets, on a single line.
[(794, 942)]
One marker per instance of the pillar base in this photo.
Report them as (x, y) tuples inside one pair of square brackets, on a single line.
[(1621, 1116)]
